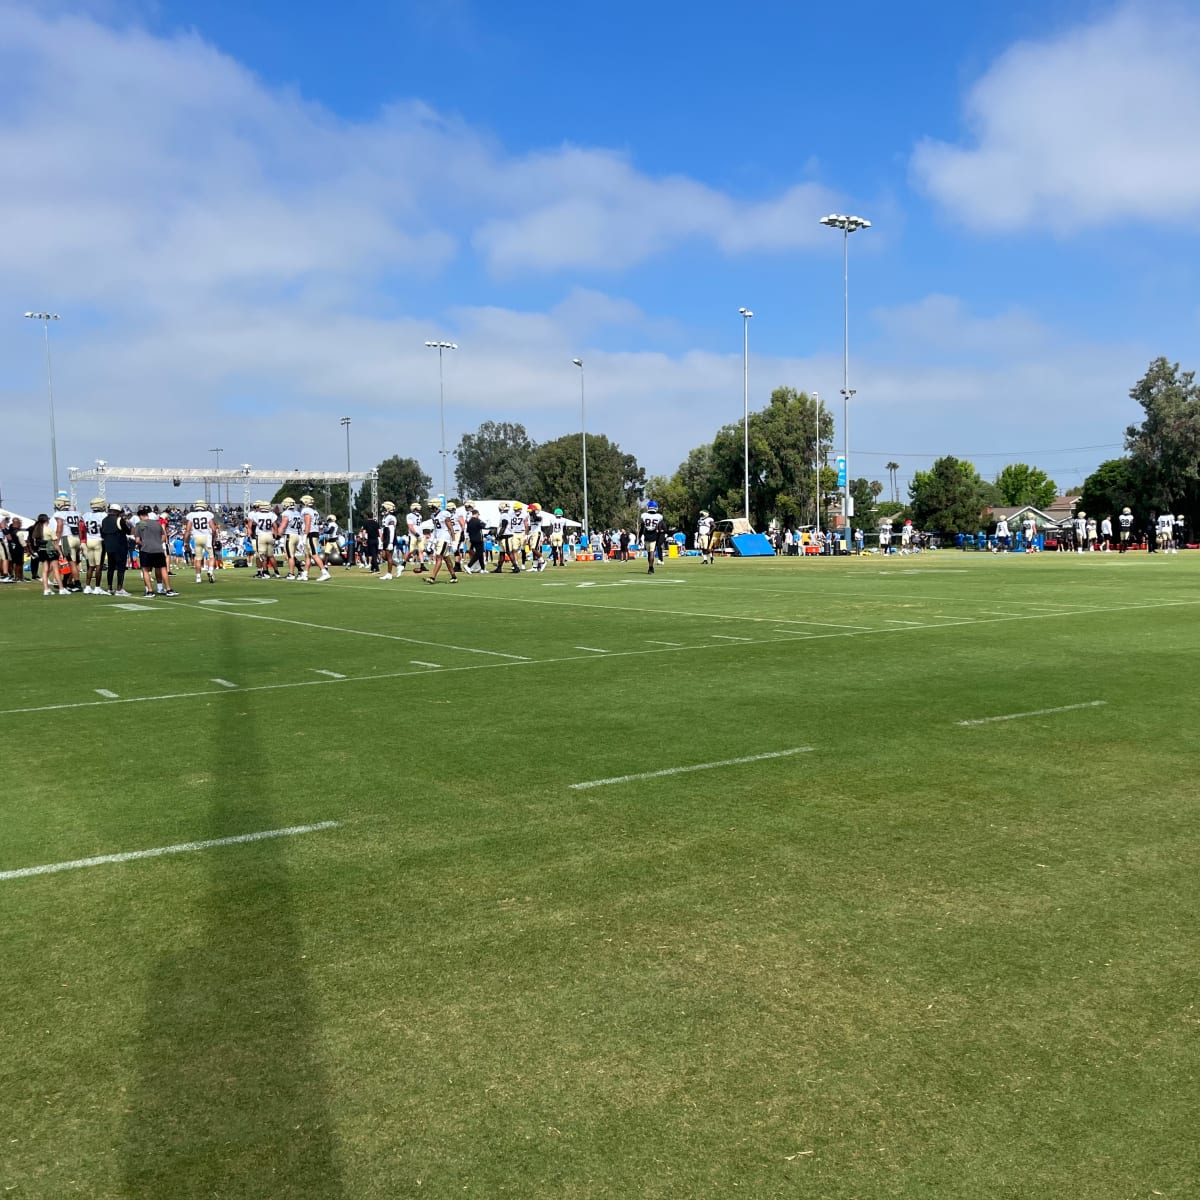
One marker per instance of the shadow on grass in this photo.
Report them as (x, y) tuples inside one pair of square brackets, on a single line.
[(231, 1098)]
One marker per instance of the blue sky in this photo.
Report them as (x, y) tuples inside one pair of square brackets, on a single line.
[(251, 217)]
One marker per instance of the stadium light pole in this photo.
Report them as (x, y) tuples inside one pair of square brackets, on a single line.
[(746, 315), (848, 225), (583, 423), (217, 450), (345, 424), (441, 347), (817, 453), (46, 318)]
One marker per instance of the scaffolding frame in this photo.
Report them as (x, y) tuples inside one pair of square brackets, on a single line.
[(244, 476)]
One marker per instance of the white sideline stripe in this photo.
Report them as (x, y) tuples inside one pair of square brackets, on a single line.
[(106, 693), (416, 662), (725, 762), (792, 635), (593, 649), (223, 683), (181, 848), (391, 637), (652, 642), (898, 621), (331, 674), (1039, 712), (795, 633), (728, 637)]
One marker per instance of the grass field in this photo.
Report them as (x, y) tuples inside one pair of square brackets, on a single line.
[(907, 956)]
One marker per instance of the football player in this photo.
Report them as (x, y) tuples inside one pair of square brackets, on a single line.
[(387, 541), (443, 542), (415, 538), (654, 531), (290, 531), (704, 536), (557, 528), (1029, 533), (1124, 529), (537, 535), (1080, 528), (66, 521), (260, 529), (503, 538), (198, 526), (93, 546), (310, 524)]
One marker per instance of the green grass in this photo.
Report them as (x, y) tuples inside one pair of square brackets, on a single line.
[(924, 959)]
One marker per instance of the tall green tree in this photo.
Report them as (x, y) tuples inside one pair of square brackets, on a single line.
[(784, 448), (862, 492), (401, 481), (328, 497), (495, 462), (615, 480), (1019, 483), (1165, 447), (1113, 485), (950, 497)]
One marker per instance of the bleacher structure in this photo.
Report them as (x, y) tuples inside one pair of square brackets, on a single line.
[(244, 478)]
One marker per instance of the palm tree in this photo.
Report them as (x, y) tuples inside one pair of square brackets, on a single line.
[(892, 468), (876, 488)]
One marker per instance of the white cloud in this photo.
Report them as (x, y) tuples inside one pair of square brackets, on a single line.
[(1094, 126)]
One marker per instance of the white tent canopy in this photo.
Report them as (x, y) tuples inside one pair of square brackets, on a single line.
[(26, 522)]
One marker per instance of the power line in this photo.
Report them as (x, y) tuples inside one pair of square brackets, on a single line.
[(990, 453)]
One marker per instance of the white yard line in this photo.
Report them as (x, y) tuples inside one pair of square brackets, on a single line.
[(710, 766), (157, 852), (416, 662), (391, 637), (796, 633), (728, 637), (1038, 712), (789, 635), (331, 674), (653, 642), (593, 649), (106, 693), (223, 682), (897, 621)]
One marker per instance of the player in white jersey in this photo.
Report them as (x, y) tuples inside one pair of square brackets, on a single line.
[(1029, 534), (885, 537), (260, 529), (310, 525), (1079, 526), (388, 533), (537, 535), (66, 529), (1002, 535), (906, 533), (654, 531), (1106, 534), (1166, 532), (1178, 533), (415, 538), (705, 528), (558, 526), (518, 533), (290, 531), (443, 542), (93, 545), (199, 526), (504, 539)]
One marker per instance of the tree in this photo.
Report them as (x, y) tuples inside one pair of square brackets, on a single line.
[(328, 497), (949, 497), (1165, 448), (495, 462), (401, 481), (615, 480), (784, 449), (892, 468), (1111, 486), (864, 501), (1020, 484)]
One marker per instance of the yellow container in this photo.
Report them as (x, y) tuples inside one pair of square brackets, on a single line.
[(673, 550)]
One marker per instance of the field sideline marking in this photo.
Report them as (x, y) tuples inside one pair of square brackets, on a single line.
[(106, 693), (180, 848), (798, 635), (416, 662), (593, 649), (331, 674), (1039, 712), (224, 683), (725, 762), (392, 637)]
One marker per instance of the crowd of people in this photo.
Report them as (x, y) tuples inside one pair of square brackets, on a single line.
[(92, 551)]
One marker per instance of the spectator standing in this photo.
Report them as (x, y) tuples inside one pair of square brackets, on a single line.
[(114, 537), (44, 554), (152, 553)]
